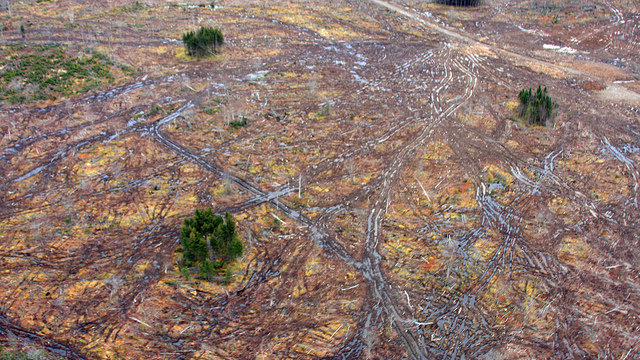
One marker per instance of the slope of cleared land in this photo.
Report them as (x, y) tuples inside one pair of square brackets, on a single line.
[(391, 203)]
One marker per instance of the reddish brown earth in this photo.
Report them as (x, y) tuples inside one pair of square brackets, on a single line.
[(391, 204)]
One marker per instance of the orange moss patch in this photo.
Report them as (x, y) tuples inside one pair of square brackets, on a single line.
[(432, 264)]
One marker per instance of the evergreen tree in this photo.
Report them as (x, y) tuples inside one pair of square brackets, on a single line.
[(206, 269), (536, 109), (207, 240), (203, 42)]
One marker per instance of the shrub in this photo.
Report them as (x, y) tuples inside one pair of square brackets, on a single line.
[(209, 241), (536, 108), (237, 124), (203, 42), (325, 111), (155, 110)]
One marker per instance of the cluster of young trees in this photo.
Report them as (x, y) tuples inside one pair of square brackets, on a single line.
[(206, 41), (536, 108), (209, 241)]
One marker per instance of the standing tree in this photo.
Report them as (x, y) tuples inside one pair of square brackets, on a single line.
[(209, 241), (536, 108), (203, 42)]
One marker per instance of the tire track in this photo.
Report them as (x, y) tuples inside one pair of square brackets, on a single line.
[(508, 54), (318, 234), (417, 347)]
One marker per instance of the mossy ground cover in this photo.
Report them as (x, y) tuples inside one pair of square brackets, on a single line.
[(46, 72)]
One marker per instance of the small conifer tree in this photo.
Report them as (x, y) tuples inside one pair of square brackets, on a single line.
[(203, 42), (536, 108), (209, 241)]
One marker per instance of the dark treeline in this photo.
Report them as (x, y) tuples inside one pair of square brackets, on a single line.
[(459, 2)]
